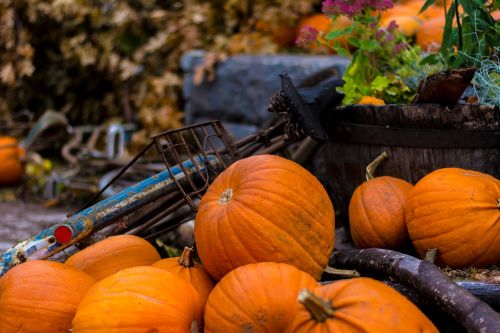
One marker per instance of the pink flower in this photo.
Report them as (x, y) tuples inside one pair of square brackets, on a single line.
[(392, 25), (399, 47), (307, 35), (353, 7), (383, 4)]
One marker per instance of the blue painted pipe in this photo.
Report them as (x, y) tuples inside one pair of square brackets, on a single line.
[(44, 244)]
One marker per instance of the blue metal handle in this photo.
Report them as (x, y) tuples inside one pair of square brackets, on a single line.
[(86, 221)]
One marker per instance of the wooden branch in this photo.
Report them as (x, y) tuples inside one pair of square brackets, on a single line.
[(427, 280)]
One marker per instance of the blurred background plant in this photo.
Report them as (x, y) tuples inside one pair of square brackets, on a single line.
[(384, 64), (96, 60)]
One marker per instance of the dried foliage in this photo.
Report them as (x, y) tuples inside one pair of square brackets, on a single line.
[(111, 58)]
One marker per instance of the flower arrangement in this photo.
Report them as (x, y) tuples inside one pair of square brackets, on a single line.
[(384, 64)]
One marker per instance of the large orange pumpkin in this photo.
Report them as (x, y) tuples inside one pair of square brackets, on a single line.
[(41, 296), (457, 212), (357, 305), (377, 213), (114, 254), (264, 208), (257, 298), (189, 270), (137, 300), (11, 166)]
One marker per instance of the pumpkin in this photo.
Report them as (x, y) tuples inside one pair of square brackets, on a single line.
[(323, 23), (139, 299), (357, 305), (11, 166), (257, 298), (371, 100), (408, 25), (186, 268), (377, 211), (457, 212), (41, 296), (114, 254), (264, 208), (430, 33), (282, 33)]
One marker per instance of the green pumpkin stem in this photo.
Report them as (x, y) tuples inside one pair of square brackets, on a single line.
[(186, 258), (319, 308), (370, 169)]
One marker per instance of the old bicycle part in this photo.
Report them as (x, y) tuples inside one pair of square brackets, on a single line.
[(193, 156)]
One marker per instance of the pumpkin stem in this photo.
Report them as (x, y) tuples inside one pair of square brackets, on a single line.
[(370, 169), (342, 272), (319, 308), (498, 203), (430, 255), (186, 258), (226, 196)]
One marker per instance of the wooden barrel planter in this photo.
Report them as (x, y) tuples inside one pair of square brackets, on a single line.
[(418, 138)]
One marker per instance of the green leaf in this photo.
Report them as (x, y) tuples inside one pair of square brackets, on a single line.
[(426, 5), (354, 41), (431, 59), (369, 45), (335, 34), (380, 83)]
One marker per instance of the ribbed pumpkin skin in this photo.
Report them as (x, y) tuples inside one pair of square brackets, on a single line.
[(41, 296), (264, 208), (377, 213), (257, 298), (114, 254), (196, 275), (11, 167), (456, 211), (363, 305), (138, 300)]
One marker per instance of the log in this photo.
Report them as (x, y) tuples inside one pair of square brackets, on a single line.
[(428, 281)]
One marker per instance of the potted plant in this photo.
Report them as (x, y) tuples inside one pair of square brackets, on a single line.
[(422, 128)]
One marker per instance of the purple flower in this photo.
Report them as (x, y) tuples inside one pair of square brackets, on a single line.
[(392, 25), (353, 7), (399, 47), (383, 4), (307, 35), (389, 38), (379, 34)]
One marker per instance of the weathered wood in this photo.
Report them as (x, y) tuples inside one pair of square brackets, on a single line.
[(341, 165), (428, 281), (444, 87)]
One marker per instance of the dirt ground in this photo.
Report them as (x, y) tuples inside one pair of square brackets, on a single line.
[(20, 220)]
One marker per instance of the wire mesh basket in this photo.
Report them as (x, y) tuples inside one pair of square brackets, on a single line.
[(195, 155)]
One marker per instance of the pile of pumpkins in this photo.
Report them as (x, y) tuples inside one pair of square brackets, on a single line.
[(426, 28), (451, 210), (264, 232)]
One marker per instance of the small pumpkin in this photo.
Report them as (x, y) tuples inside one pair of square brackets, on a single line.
[(457, 212), (41, 296), (377, 212), (186, 268), (371, 100), (357, 305), (139, 299), (430, 33), (257, 298), (11, 166), (264, 208), (113, 254)]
